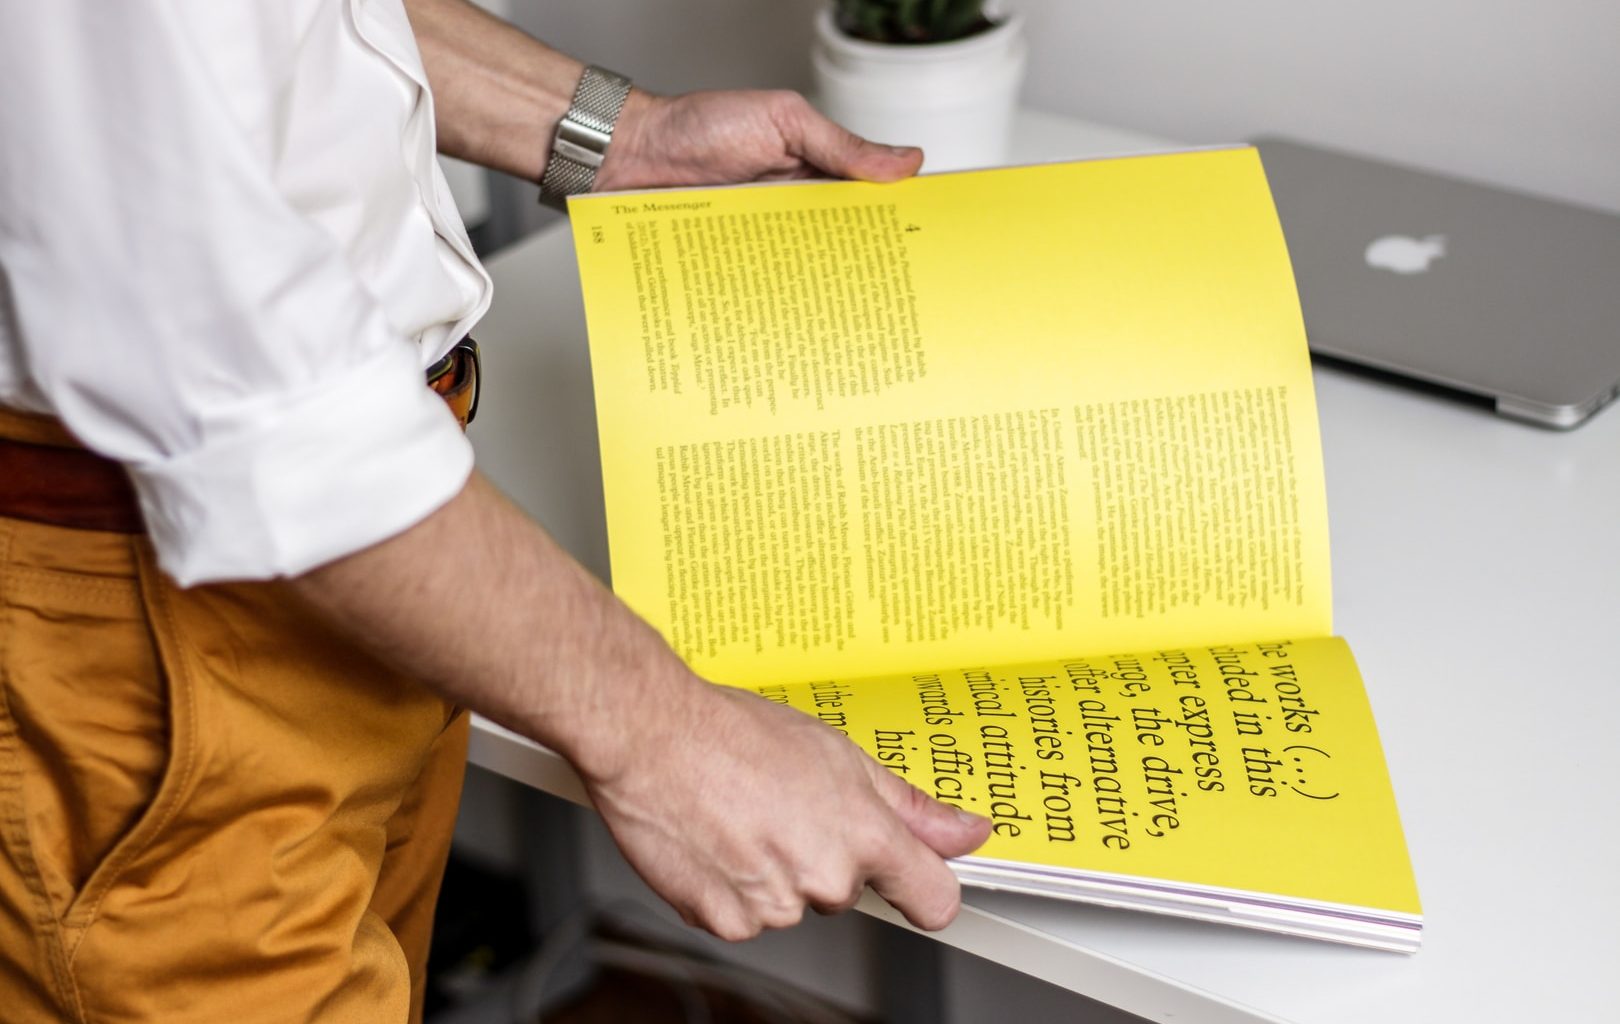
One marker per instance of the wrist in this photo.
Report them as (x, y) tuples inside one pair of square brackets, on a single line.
[(615, 696), (629, 150), (583, 136)]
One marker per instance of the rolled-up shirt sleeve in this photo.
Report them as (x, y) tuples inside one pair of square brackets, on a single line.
[(181, 316)]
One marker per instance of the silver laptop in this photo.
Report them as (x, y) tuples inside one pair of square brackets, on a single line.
[(1490, 294)]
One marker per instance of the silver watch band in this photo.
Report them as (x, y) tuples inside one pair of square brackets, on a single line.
[(582, 136)]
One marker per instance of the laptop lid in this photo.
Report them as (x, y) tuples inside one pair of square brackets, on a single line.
[(1475, 289)]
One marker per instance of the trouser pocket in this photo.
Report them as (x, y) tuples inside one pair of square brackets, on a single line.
[(87, 736), (249, 779)]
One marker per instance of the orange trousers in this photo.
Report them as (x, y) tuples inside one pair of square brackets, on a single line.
[(212, 808)]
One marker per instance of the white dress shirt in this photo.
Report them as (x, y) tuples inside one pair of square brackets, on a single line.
[(227, 253)]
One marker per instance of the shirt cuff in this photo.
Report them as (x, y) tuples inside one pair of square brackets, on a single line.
[(320, 474)]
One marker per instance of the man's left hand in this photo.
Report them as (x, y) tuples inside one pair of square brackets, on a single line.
[(722, 138)]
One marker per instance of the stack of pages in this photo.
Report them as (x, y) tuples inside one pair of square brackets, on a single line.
[(1013, 477)]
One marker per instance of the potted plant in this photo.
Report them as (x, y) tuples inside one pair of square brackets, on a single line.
[(940, 74)]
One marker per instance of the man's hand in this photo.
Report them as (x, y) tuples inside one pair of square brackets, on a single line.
[(742, 813), (738, 811), (718, 138)]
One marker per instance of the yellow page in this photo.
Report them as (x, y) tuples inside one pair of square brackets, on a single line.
[(1253, 767), (850, 429)]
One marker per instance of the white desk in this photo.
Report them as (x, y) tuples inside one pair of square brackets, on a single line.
[(1477, 575)]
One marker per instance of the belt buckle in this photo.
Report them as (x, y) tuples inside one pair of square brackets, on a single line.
[(475, 367), (458, 379)]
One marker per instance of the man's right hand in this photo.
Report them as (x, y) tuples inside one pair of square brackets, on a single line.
[(738, 811), (742, 813)]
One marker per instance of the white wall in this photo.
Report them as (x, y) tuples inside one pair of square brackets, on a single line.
[(680, 45), (1524, 93), (1519, 92)]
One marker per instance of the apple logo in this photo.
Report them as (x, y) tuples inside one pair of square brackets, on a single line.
[(1404, 254)]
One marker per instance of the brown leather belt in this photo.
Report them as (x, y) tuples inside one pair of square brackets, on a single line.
[(46, 476)]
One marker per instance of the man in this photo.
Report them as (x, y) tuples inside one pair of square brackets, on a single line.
[(231, 740)]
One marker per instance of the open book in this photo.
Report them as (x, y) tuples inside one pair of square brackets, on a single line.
[(1012, 476)]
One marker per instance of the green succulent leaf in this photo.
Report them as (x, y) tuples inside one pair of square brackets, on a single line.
[(911, 21)]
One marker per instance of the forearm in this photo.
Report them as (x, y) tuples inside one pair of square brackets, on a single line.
[(498, 93), (479, 603), (738, 811)]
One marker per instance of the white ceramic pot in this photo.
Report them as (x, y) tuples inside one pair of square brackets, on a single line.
[(955, 100)]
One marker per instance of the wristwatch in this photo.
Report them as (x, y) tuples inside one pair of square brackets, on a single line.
[(582, 136)]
